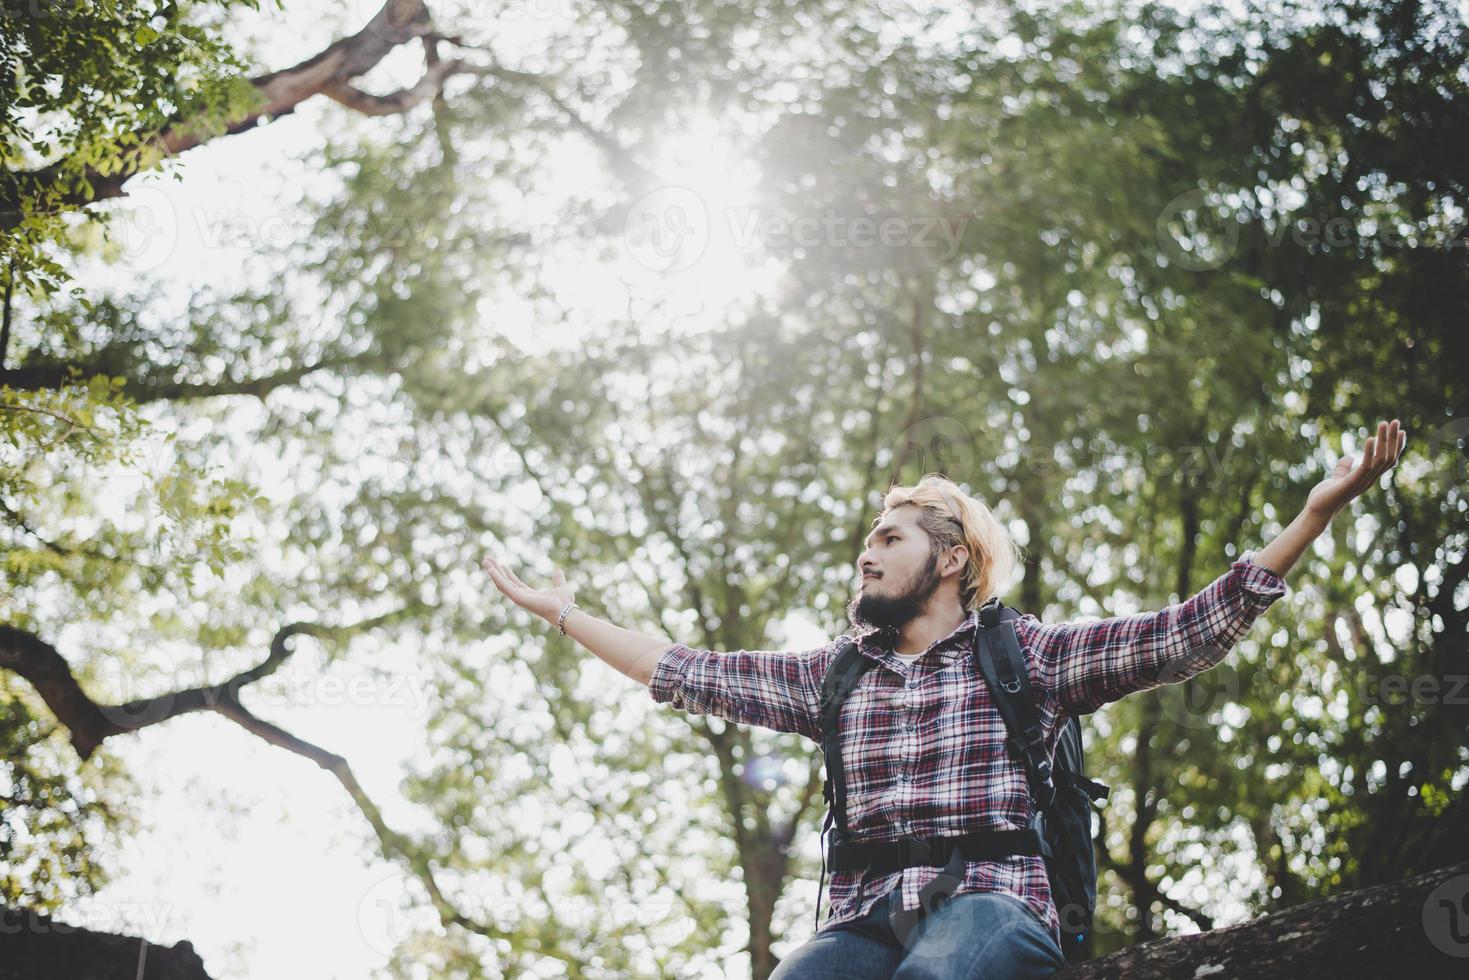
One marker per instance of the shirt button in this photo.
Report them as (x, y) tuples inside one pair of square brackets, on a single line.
[(910, 728), (913, 682)]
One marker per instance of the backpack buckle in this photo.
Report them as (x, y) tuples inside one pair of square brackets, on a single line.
[(1038, 827), (1016, 747), (914, 850)]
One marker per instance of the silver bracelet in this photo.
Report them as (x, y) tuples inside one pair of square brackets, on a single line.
[(561, 620)]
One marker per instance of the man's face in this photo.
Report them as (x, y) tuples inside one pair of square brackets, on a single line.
[(899, 573)]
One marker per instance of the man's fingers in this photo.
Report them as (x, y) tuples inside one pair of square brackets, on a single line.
[(1392, 447), (1395, 440), (1387, 447), (1374, 451), (498, 576), (1364, 465)]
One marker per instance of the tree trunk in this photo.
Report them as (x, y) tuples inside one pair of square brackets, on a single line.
[(33, 946), (1416, 928)]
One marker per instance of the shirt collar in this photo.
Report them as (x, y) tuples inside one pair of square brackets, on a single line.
[(876, 642)]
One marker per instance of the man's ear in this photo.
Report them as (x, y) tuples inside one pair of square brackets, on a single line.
[(963, 552)]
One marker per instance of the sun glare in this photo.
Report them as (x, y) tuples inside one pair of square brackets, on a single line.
[(694, 241)]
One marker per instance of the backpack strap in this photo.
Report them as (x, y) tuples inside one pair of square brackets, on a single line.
[(997, 652), (886, 856), (1090, 787), (842, 675)]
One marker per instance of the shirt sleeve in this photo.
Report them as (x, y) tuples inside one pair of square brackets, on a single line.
[(1087, 665), (775, 689)]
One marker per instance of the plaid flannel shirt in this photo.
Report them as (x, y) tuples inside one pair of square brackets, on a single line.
[(922, 744)]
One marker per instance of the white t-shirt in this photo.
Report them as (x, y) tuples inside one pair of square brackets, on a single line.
[(907, 658)]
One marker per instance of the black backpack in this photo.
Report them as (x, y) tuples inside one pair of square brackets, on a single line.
[(1062, 796)]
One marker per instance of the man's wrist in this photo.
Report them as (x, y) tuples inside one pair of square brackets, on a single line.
[(1315, 520), (564, 613)]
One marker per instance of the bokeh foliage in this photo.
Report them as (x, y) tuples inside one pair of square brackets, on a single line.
[(1191, 253)]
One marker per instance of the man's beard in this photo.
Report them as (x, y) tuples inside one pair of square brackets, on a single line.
[(889, 613)]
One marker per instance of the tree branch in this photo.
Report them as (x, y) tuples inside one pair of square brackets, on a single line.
[(393, 844), (147, 389), (395, 103), (18, 521), (257, 387), (1145, 892), (5, 326), (1398, 929), (633, 174), (90, 723), (278, 92), (330, 72)]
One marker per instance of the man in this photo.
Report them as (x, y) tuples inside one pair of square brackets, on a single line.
[(923, 746)]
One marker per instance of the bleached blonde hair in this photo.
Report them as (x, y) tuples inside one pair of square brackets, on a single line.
[(952, 517)]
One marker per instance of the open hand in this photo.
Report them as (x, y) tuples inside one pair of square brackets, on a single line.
[(1346, 481), (545, 603)]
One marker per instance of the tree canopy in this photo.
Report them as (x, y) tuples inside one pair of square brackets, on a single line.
[(1129, 273)]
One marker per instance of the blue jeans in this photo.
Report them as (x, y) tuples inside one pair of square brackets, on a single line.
[(973, 936)]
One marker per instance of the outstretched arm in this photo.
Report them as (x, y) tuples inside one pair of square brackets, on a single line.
[(1086, 665), (1328, 497), (634, 654), (775, 689)]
